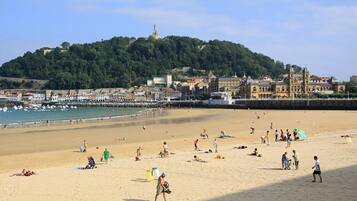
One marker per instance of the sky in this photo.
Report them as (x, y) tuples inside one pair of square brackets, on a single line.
[(318, 34)]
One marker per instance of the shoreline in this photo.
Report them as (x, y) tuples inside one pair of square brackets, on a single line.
[(73, 121)]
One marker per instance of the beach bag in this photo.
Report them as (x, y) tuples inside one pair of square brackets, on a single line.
[(166, 188)]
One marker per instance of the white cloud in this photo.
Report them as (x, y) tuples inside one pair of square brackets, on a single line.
[(336, 19)]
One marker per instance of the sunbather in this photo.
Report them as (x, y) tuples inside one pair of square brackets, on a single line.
[(197, 159), (25, 173)]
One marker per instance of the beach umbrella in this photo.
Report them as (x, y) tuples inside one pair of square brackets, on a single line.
[(302, 134)]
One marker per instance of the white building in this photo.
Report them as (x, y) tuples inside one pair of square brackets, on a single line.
[(14, 97), (101, 97), (161, 81), (220, 98)]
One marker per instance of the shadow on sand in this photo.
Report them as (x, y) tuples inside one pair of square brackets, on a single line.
[(135, 200), (139, 180), (338, 185)]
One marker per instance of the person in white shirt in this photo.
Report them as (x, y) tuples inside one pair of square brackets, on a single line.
[(317, 169), (215, 145), (296, 159)]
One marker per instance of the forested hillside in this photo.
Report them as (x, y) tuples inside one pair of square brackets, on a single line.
[(125, 62)]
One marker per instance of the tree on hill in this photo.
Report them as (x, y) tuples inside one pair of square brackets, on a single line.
[(125, 62), (65, 45)]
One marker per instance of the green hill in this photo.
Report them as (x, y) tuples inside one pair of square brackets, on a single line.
[(125, 62)]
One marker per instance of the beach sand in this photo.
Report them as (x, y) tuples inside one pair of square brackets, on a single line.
[(53, 152)]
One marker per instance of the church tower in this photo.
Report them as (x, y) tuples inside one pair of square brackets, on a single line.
[(291, 82), (306, 79), (154, 34)]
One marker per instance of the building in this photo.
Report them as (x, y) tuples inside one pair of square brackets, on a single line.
[(220, 98), (230, 85), (293, 85), (160, 81), (353, 79)]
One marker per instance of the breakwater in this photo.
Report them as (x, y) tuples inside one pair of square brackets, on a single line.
[(287, 104), (294, 104)]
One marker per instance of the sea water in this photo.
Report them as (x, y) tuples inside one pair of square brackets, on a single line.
[(12, 116)]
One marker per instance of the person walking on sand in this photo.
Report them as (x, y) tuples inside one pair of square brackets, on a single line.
[(276, 135), (160, 186), (215, 145), (85, 145), (138, 153), (267, 138), (196, 145), (296, 159), (106, 155), (317, 169), (252, 129)]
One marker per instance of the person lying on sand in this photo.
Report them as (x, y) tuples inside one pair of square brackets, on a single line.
[(209, 151), (197, 159), (219, 157), (25, 173), (223, 135), (240, 147)]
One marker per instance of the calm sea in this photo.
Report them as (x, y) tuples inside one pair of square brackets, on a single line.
[(19, 116)]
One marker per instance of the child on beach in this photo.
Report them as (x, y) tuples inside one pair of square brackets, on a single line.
[(317, 170), (296, 159), (276, 135), (138, 153), (106, 155), (196, 145), (285, 161)]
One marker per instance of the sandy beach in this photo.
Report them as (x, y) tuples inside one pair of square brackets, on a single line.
[(53, 152)]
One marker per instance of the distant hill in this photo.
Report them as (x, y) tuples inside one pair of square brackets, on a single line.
[(125, 62)]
